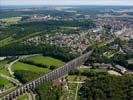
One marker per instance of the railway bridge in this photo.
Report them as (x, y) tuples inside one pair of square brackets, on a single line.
[(57, 73)]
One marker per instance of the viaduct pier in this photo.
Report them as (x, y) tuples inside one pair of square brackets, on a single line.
[(55, 74)]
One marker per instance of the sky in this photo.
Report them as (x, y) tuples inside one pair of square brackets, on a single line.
[(66, 2)]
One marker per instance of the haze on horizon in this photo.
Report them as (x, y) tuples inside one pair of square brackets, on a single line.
[(66, 2)]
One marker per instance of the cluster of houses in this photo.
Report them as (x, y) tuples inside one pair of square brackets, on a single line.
[(116, 24), (75, 42), (42, 18)]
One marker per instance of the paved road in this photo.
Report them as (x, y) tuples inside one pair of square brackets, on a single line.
[(9, 67), (77, 88)]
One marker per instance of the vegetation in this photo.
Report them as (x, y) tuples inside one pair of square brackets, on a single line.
[(3, 67), (23, 97), (72, 77), (45, 60), (121, 59), (117, 56), (5, 83), (27, 67), (26, 76), (10, 19), (47, 50), (107, 88), (32, 67), (48, 92)]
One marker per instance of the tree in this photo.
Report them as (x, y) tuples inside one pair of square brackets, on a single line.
[(107, 87)]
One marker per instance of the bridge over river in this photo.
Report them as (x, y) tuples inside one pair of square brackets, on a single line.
[(55, 74)]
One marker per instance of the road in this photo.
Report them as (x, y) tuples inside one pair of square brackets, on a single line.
[(11, 79), (9, 67), (77, 88)]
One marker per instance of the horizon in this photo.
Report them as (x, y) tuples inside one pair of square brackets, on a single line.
[(66, 3)]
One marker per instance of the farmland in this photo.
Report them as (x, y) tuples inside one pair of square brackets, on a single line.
[(3, 67), (10, 19), (5, 83), (27, 67), (46, 60)]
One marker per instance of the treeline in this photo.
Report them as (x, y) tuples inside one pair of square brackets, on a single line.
[(25, 76), (33, 63), (87, 73), (47, 50), (37, 64), (98, 57), (107, 88), (54, 23), (31, 27)]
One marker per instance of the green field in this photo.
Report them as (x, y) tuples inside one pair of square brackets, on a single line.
[(23, 97), (11, 40), (72, 78), (27, 67), (45, 60), (3, 69), (6, 41), (3, 63), (37, 59), (6, 83), (10, 19)]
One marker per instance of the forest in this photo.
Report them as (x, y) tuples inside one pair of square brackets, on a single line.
[(107, 87)]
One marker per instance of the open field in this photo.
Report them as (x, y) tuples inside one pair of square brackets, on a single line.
[(27, 67), (11, 40), (23, 97), (3, 63), (10, 19), (112, 72), (45, 60), (72, 77), (6, 41), (6, 83), (3, 69)]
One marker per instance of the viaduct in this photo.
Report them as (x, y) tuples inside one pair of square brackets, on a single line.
[(55, 74)]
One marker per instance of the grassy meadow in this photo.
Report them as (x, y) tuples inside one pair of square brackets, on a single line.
[(6, 83), (10, 19), (46, 60), (3, 67), (27, 67)]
